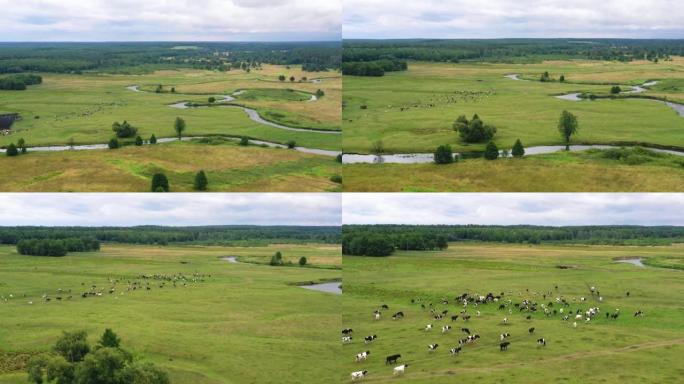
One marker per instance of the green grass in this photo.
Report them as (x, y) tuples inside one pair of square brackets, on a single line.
[(587, 171), (244, 324), (433, 95), (607, 351), (228, 166), (273, 94), (83, 108)]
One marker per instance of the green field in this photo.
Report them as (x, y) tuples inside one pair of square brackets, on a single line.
[(228, 166), (585, 171), (433, 95), (628, 349), (244, 323)]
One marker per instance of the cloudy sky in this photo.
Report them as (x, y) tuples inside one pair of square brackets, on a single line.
[(514, 208), (513, 18), (174, 20), (124, 209)]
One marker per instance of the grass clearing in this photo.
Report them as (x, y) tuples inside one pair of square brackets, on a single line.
[(218, 331), (643, 348)]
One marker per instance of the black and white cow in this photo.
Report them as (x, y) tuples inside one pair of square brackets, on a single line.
[(541, 342), (455, 350), (346, 339), (505, 336), (362, 356), (358, 375), (369, 339), (446, 328), (347, 331), (432, 347)]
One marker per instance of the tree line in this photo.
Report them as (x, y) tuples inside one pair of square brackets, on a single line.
[(511, 50), (186, 235), (373, 68), (609, 235), (19, 82), (56, 247), (359, 242), (116, 57)]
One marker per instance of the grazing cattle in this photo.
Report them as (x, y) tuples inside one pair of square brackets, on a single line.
[(531, 330), (504, 336), (627, 293), (466, 317), (384, 306), (455, 350), (574, 325), (362, 356), (465, 330), (529, 317), (398, 315), (400, 369), (392, 359), (358, 375), (347, 331), (638, 313), (472, 338), (505, 320), (432, 347), (346, 339), (502, 306), (369, 339), (454, 317), (477, 313), (428, 327), (504, 346), (446, 328), (377, 316), (541, 342)]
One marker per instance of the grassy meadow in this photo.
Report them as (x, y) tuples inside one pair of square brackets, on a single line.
[(229, 167), (585, 171), (244, 323), (433, 95), (628, 349)]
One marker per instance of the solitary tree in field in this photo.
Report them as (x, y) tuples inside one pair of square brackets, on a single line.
[(21, 144), (12, 150), (160, 183), (562, 78), (159, 89), (302, 261), (153, 139), (491, 152), (277, 259), (615, 89), (212, 99), (244, 141), (179, 126), (518, 149), (113, 143), (201, 181), (292, 78), (444, 155), (281, 77), (138, 141), (291, 144), (567, 126), (109, 339)]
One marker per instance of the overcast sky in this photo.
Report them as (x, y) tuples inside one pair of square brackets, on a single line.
[(513, 18), (127, 209), (170, 20), (555, 209)]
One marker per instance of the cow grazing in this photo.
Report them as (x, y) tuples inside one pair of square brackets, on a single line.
[(529, 317), (638, 313), (455, 350), (398, 315), (504, 336), (369, 339), (384, 306), (392, 359), (531, 330), (465, 330), (428, 327), (454, 317), (362, 356), (504, 346), (505, 320), (541, 342), (400, 369), (432, 347), (376, 316), (346, 339), (347, 331), (446, 328), (358, 375)]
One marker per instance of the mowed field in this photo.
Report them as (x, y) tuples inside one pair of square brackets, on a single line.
[(624, 350), (433, 95), (83, 107), (585, 171), (228, 166), (244, 323)]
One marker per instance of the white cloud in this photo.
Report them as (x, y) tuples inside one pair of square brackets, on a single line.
[(513, 18), (174, 20), (555, 209), (177, 209)]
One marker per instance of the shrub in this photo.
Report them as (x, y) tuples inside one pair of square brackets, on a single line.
[(244, 141), (200, 181), (138, 141), (291, 144), (113, 143), (320, 93), (160, 183), (124, 129), (109, 339), (153, 139), (336, 179), (212, 99), (491, 152), (12, 150), (444, 155), (474, 131), (302, 261), (277, 259), (518, 149), (615, 89)]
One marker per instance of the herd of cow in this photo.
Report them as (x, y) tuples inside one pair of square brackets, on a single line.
[(551, 305), (121, 286)]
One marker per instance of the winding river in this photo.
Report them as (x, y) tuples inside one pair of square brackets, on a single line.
[(636, 262), (332, 287)]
